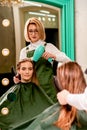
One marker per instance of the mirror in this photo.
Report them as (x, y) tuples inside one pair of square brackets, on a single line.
[(49, 15), (57, 17), (59, 25), (64, 11)]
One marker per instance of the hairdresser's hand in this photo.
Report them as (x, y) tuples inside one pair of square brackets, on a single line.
[(48, 55), (62, 97), (16, 79)]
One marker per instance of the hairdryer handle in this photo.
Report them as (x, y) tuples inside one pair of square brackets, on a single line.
[(38, 53)]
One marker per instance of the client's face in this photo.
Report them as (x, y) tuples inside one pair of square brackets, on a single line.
[(26, 71)]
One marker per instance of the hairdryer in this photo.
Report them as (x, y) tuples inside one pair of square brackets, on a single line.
[(39, 52)]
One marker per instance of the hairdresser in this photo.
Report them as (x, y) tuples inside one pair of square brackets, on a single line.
[(34, 33)]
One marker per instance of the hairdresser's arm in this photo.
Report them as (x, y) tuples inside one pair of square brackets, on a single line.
[(77, 100), (60, 56)]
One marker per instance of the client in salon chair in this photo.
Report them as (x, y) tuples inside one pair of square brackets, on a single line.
[(64, 117), (23, 101)]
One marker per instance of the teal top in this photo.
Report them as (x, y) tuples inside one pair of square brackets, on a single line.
[(44, 72), (24, 102)]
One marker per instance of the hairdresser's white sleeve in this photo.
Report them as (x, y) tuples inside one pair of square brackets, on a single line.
[(78, 100), (60, 56)]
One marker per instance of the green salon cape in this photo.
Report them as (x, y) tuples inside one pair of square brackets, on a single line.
[(44, 72), (46, 119), (24, 102)]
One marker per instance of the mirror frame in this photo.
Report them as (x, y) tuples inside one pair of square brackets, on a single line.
[(67, 24)]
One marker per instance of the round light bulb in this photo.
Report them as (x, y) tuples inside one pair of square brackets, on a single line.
[(6, 22), (5, 81), (4, 110), (5, 52)]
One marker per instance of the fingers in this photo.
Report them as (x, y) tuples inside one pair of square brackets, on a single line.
[(16, 80), (47, 55), (62, 97)]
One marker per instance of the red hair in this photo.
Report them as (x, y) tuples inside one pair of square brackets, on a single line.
[(71, 78)]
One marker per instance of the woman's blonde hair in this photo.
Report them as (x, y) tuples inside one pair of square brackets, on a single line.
[(39, 26), (71, 78), (34, 77)]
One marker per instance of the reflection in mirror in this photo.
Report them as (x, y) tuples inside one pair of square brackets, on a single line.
[(12, 20), (49, 15)]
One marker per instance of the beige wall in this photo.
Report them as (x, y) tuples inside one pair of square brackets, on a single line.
[(81, 32)]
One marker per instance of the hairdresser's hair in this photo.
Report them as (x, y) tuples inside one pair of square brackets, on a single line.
[(34, 77), (71, 78), (39, 26)]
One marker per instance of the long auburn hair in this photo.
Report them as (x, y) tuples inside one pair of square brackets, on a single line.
[(34, 76), (71, 78)]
